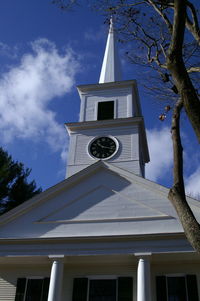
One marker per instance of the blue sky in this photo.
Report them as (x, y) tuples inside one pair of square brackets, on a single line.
[(44, 54)]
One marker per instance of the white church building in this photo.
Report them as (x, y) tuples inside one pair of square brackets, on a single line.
[(105, 233)]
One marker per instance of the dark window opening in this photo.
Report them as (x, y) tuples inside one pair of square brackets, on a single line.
[(32, 289), (102, 290), (105, 110), (177, 288), (120, 289)]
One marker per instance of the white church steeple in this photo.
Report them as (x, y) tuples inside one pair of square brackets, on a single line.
[(111, 67), (111, 126)]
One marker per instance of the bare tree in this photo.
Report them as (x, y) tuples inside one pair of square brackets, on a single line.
[(170, 45), (167, 34)]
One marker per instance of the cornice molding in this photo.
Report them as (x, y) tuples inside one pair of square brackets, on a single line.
[(74, 126), (107, 86)]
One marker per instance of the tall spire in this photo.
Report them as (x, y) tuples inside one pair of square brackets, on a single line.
[(111, 67)]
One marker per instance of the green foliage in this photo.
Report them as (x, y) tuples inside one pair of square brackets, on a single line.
[(14, 186)]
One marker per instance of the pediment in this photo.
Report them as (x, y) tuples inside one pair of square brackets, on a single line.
[(102, 203), (100, 200)]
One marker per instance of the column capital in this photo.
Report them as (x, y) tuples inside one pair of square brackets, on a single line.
[(57, 257), (143, 255)]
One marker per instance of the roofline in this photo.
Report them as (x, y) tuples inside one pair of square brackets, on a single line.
[(164, 236), (53, 190), (99, 86)]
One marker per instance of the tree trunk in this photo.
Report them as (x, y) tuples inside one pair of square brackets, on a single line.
[(190, 225), (177, 192), (177, 68)]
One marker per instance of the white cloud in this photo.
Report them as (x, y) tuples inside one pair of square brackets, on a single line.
[(161, 160), (27, 90), (192, 183), (7, 51), (161, 156)]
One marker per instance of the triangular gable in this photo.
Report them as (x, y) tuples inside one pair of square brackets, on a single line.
[(100, 200), (100, 204)]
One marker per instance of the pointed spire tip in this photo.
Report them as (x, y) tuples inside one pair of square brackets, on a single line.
[(111, 67)]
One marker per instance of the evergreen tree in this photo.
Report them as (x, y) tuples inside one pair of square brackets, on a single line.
[(14, 186)]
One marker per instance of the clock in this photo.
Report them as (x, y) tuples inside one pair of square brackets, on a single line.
[(103, 147)]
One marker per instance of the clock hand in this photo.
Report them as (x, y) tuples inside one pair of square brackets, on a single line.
[(109, 147), (99, 144), (102, 146)]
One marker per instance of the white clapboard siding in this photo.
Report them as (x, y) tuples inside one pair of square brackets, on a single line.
[(122, 107), (127, 152), (7, 290)]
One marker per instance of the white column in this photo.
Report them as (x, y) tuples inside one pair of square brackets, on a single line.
[(56, 278), (143, 279)]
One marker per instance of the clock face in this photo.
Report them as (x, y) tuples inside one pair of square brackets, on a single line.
[(103, 147)]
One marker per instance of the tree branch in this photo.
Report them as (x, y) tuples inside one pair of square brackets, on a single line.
[(193, 69), (163, 15), (193, 27), (178, 28)]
